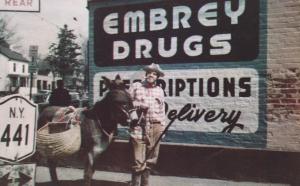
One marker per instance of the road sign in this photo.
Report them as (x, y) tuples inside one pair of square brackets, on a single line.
[(17, 128), (20, 5), (18, 174), (33, 51), (32, 68)]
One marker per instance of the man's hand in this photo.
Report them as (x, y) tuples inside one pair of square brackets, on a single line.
[(143, 109), (134, 123)]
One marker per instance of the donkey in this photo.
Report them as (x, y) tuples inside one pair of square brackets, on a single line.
[(98, 124)]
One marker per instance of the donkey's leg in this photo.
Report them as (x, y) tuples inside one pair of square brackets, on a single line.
[(52, 168), (89, 169)]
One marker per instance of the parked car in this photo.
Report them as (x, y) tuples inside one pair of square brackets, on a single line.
[(84, 100), (75, 99), (41, 96), (38, 98)]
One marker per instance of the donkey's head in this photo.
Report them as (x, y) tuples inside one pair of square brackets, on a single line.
[(119, 102)]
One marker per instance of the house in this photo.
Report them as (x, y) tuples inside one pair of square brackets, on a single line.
[(75, 81), (13, 71), (45, 80), (15, 75)]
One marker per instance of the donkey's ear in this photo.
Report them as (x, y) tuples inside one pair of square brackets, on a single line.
[(89, 113), (118, 77), (107, 81)]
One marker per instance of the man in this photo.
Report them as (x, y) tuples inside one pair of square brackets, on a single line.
[(149, 98), (60, 96)]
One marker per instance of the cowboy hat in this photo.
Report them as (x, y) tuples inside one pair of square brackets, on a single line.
[(154, 68)]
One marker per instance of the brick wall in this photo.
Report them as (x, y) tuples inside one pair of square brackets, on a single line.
[(283, 67)]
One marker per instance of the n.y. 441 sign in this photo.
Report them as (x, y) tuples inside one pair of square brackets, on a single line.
[(17, 128)]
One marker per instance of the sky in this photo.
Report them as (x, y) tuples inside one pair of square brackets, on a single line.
[(41, 28)]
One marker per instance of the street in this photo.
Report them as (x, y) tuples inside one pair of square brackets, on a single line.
[(73, 177)]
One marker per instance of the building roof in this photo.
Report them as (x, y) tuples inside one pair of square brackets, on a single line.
[(44, 72), (11, 54)]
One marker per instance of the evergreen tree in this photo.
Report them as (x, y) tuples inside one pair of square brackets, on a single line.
[(63, 56)]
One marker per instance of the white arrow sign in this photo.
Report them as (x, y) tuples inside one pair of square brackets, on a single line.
[(17, 128), (18, 174)]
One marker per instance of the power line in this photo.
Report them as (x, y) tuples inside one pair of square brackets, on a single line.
[(49, 22), (58, 27)]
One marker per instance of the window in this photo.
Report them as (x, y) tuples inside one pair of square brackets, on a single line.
[(15, 67), (23, 68), (44, 85), (39, 86), (22, 82), (14, 81)]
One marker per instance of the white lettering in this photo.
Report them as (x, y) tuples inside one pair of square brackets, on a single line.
[(167, 53), (110, 23), (143, 47), (208, 18), (179, 10), (197, 47), (134, 22), (220, 41), (158, 19), (234, 15), (120, 50)]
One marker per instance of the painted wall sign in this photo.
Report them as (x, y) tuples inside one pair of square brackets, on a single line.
[(176, 31), (218, 100), (20, 5), (17, 128), (213, 55)]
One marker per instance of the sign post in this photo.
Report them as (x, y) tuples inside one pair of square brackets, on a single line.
[(33, 53), (17, 128)]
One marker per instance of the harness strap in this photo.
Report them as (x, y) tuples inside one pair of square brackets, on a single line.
[(101, 128)]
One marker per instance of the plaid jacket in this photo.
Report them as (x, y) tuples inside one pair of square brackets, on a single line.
[(151, 98)]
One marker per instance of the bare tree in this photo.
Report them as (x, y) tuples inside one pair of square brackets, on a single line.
[(8, 34)]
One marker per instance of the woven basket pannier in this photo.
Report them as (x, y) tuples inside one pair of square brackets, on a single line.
[(56, 140)]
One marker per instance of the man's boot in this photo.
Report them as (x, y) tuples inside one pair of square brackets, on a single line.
[(135, 179), (145, 178)]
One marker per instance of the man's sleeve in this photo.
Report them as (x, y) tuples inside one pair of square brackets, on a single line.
[(69, 101), (132, 91), (52, 98)]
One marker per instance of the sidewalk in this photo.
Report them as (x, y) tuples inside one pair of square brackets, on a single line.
[(73, 177)]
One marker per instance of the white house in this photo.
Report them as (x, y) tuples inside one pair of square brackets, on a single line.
[(14, 74), (45, 80), (13, 71)]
